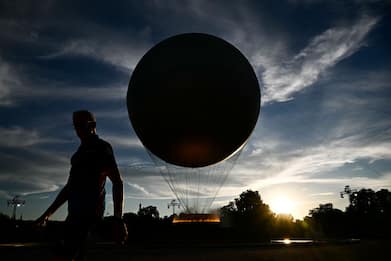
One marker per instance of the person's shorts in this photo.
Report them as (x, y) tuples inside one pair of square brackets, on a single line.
[(74, 241)]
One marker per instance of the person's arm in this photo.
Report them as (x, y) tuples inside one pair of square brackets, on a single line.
[(118, 191), (61, 198), (120, 231)]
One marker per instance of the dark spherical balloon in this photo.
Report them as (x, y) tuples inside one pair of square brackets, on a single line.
[(193, 100)]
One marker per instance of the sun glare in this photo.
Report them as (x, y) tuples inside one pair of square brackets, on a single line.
[(282, 205)]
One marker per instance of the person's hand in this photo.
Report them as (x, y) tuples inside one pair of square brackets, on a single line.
[(120, 231), (41, 221)]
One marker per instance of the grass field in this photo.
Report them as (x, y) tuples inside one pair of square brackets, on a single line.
[(365, 250)]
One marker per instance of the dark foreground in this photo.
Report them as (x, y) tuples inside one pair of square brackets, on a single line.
[(364, 250)]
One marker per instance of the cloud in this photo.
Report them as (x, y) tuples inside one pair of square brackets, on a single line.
[(138, 188), (5, 194), (345, 130), (97, 45), (360, 182), (282, 78), (15, 87), (86, 93), (18, 137), (118, 47), (11, 186), (118, 52), (363, 92), (30, 92), (28, 168), (124, 141), (111, 114), (147, 187), (8, 82), (282, 81), (140, 168), (308, 164), (322, 194)]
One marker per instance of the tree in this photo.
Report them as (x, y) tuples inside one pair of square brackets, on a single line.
[(250, 204), (327, 221), (283, 225), (228, 210), (249, 215), (383, 203), (248, 201), (369, 213), (149, 212), (251, 207), (228, 214), (369, 202), (129, 217), (4, 217), (363, 202)]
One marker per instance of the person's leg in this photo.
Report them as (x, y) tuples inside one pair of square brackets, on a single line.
[(76, 233)]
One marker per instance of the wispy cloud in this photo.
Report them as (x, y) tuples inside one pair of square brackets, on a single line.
[(358, 182), (308, 164), (323, 194), (147, 188), (282, 81), (11, 186), (18, 137), (15, 87), (327, 155), (86, 93), (122, 50), (138, 188), (17, 95), (5, 194), (26, 167), (8, 81), (124, 141), (363, 93)]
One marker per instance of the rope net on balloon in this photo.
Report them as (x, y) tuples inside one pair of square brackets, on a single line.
[(196, 188)]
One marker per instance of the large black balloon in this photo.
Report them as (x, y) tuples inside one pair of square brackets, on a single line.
[(193, 100)]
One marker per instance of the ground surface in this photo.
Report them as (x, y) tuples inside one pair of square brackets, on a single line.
[(365, 250)]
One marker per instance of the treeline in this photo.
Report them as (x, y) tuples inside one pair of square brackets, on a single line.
[(367, 216), (246, 218)]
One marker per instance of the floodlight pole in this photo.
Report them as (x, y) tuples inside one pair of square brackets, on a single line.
[(15, 202), (174, 204)]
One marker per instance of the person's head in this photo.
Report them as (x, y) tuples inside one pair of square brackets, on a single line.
[(84, 123)]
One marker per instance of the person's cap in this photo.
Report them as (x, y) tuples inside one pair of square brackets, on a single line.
[(83, 117)]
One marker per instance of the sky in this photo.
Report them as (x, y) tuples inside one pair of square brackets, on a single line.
[(324, 69)]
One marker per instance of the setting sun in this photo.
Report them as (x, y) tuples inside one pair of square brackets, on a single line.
[(282, 205)]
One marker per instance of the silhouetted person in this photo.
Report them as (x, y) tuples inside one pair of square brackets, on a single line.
[(85, 190)]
